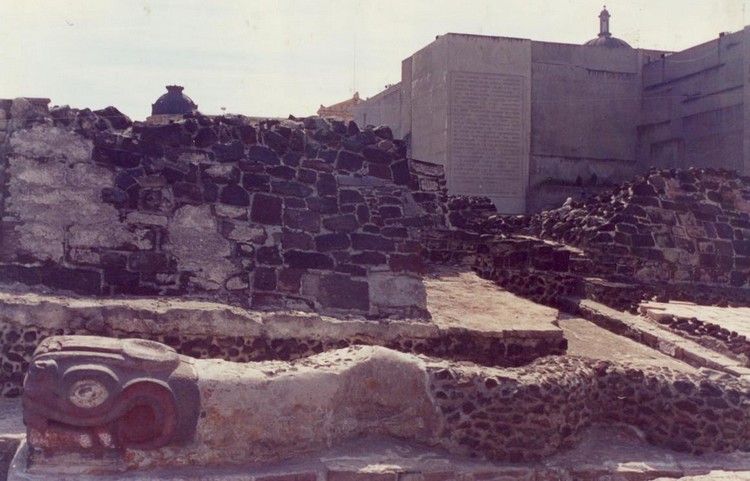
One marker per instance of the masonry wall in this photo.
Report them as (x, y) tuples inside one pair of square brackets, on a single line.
[(382, 109), (451, 107), (677, 234), (693, 106), (305, 214), (585, 105)]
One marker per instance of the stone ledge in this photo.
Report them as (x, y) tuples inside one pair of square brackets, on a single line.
[(213, 330), (645, 332)]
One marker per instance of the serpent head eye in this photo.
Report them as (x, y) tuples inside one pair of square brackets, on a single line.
[(43, 367)]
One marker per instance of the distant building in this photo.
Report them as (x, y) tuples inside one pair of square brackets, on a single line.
[(342, 110), (530, 123), (172, 105)]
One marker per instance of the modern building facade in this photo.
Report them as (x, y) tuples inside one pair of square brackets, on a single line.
[(529, 123)]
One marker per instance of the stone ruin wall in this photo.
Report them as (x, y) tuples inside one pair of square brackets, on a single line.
[(673, 234), (297, 213), (301, 214)]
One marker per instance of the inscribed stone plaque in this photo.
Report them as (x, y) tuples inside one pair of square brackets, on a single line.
[(487, 151)]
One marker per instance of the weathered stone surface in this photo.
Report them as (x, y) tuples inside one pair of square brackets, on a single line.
[(393, 291), (197, 246), (51, 143), (132, 191)]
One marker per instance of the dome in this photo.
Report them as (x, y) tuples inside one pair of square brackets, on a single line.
[(610, 42), (605, 38), (174, 102)]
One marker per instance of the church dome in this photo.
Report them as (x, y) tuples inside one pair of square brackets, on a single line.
[(605, 38), (174, 102)]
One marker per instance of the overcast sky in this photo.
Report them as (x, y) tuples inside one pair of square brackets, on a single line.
[(281, 57)]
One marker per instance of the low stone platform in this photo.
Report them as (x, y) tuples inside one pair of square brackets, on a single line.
[(472, 320), (605, 453)]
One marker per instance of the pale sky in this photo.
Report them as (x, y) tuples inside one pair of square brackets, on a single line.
[(281, 57)]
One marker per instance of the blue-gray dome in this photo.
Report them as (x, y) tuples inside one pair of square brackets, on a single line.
[(174, 102)]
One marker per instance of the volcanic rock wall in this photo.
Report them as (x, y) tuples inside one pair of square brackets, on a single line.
[(676, 234), (302, 214)]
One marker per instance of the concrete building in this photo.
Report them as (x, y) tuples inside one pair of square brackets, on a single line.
[(530, 123)]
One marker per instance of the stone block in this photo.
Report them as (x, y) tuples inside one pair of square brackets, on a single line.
[(324, 205), (292, 159), (330, 242), (111, 235), (428, 185), (126, 281), (235, 195), (290, 188), (369, 258), (376, 155), (390, 211), (263, 154), (269, 255), (349, 196), (222, 173), (352, 270), (317, 164), (198, 247), (349, 161), (297, 240), (307, 176), (282, 172), (247, 134), (236, 283), (43, 141), (84, 256), (267, 300), (372, 242), (230, 211), (275, 141), (327, 185), (148, 262), (264, 279), (148, 219), (306, 220), (77, 280), (256, 182), (401, 174), (244, 232), (336, 291), (266, 209), (407, 263), (308, 260), (205, 137), (290, 280), (380, 171), (229, 151), (341, 223), (397, 291)]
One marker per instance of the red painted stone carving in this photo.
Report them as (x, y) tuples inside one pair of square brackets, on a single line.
[(97, 394)]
